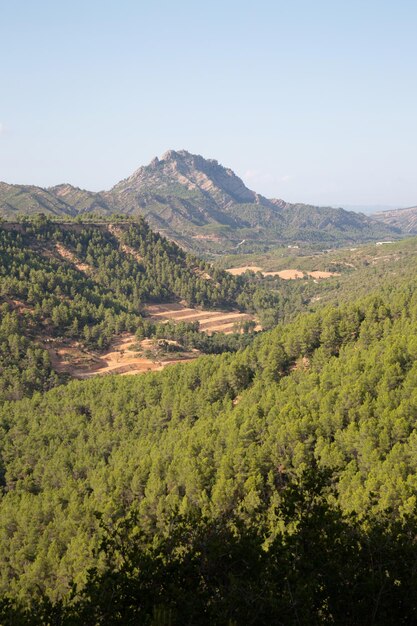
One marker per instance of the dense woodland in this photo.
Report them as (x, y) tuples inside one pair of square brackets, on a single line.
[(273, 482), (276, 484), (99, 290)]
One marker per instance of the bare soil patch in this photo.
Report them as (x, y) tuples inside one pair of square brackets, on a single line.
[(209, 321), (318, 274), (287, 274), (117, 233), (237, 271), (70, 358), (69, 256)]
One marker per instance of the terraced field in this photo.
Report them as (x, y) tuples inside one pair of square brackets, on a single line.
[(210, 321), (125, 356)]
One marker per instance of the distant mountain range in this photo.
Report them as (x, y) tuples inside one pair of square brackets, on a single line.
[(201, 205), (403, 219)]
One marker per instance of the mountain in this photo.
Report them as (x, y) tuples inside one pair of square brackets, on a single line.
[(403, 219), (28, 199), (202, 205)]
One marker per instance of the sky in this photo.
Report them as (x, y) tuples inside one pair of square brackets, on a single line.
[(307, 101)]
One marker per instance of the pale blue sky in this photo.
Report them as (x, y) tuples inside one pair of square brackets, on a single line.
[(308, 101)]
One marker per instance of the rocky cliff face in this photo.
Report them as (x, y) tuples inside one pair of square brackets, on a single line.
[(202, 205), (194, 173)]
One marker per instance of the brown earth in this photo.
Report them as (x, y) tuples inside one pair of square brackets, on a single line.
[(290, 274), (210, 321), (286, 274), (69, 256), (69, 358), (117, 233), (126, 355)]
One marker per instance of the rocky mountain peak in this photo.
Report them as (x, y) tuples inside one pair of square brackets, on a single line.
[(204, 205), (193, 172)]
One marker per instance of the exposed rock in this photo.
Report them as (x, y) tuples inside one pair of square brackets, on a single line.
[(200, 204)]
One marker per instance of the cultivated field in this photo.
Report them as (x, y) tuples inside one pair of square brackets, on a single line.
[(125, 356), (210, 321), (128, 356), (287, 274)]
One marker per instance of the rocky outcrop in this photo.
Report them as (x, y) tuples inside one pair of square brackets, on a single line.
[(202, 205)]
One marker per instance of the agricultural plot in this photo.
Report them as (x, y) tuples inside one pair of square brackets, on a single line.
[(286, 274), (125, 356), (210, 321)]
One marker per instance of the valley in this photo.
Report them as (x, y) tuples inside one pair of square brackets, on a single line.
[(139, 381), (208, 314)]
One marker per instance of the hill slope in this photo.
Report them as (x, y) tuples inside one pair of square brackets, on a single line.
[(202, 205), (403, 219), (335, 390), (73, 288)]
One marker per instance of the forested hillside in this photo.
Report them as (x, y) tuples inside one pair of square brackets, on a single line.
[(66, 284), (295, 458), (88, 283)]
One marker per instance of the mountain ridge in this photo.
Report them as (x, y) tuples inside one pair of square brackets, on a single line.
[(201, 204), (404, 219)]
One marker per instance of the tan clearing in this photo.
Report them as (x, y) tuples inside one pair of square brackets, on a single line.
[(70, 358), (117, 233), (69, 256), (288, 274), (209, 321), (318, 274)]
